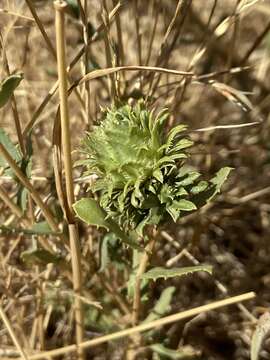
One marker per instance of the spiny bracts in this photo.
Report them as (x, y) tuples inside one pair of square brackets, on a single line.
[(142, 177)]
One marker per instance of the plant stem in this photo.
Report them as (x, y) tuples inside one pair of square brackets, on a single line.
[(74, 61), (13, 207), (131, 353), (86, 60), (77, 285), (13, 102), (73, 231), (33, 192), (137, 288), (63, 89)]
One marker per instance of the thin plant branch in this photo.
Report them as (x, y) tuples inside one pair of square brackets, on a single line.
[(147, 326), (12, 334), (65, 130), (33, 192)]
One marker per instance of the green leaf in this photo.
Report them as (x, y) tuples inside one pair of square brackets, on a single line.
[(104, 250), (175, 131), (89, 211), (40, 256), (213, 189), (158, 175), (162, 306), (136, 259), (181, 192), (41, 228), (184, 205), (10, 147), (220, 177), (175, 208), (187, 178), (26, 167), (166, 194), (173, 211), (262, 330), (73, 8), (181, 144), (22, 198), (160, 272), (173, 354), (200, 187), (8, 86)]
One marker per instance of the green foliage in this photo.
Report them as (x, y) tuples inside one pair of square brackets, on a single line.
[(41, 228), (166, 353), (160, 272), (8, 86), (136, 259), (142, 179), (89, 211), (162, 306), (111, 252), (40, 256), (10, 147), (22, 193), (73, 8), (25, 164), (101, 321)]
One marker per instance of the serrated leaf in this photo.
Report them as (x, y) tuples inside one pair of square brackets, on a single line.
[(262, 330), (220, 177), (213, 189), (89, 211), (160, 272), (162, 306), (10, 147), (8, 86)]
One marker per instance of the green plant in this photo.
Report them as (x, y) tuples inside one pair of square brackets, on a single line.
[(142, 178), (142, 182)]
